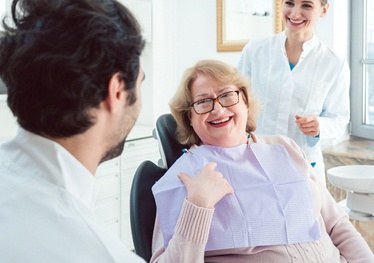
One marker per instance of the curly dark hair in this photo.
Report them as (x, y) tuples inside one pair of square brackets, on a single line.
[(59, 56)]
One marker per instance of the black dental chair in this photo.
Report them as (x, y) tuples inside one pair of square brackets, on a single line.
[(143, 207), (142, 204)]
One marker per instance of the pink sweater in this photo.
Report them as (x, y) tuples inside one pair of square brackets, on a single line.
[(339, 242)]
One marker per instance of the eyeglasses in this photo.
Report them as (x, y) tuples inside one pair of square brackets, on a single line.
[(226, 99)]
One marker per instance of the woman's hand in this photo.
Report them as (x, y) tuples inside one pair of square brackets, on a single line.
[(309, 125), (207, 187)]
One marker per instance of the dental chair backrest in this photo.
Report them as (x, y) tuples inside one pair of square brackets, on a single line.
[(169, 147), (143, 207)]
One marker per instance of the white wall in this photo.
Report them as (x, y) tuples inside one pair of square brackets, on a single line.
[(334, 28), (197, 34), (4, 9)]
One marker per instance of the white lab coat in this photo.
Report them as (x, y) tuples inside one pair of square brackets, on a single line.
[(319, 85), (46, 200)]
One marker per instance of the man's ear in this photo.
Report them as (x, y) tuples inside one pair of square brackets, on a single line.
[(116, 92)]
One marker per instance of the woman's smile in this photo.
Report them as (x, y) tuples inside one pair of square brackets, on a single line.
[(296, 22), (220, 122)]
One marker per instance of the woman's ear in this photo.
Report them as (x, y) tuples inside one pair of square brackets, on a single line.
[(324, 10), (189, 116), (244, 95)]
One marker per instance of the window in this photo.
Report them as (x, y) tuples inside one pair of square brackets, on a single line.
[(362, 69)]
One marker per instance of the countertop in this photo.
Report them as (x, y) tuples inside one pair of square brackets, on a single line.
[(353, 148)]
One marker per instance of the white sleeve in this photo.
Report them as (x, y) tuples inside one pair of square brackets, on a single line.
[(336, 109)]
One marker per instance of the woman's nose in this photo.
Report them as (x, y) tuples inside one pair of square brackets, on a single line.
[(295, 12), (217, 107)]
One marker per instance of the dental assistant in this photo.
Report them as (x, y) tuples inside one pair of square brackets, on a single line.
[(302, 85)]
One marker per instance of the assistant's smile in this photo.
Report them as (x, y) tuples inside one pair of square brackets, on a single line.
[(296, 22)]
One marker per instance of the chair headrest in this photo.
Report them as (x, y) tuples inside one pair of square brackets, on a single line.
[(170, 148)]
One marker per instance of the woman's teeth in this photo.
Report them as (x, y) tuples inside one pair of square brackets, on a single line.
[(221, 121), (296, 22)]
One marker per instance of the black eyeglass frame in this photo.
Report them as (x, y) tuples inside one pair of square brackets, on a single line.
[(216, 99)]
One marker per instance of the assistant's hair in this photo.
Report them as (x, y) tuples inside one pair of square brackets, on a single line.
[(58, 57), (219, 72)]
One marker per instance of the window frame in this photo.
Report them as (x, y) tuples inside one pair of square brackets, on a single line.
[(358, 74)]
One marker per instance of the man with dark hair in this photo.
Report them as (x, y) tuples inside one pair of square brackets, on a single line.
[(73, 76)]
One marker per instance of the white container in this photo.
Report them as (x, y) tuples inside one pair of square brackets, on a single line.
[(358, 181)]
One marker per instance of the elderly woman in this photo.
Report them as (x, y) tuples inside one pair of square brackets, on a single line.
[(239, 197)]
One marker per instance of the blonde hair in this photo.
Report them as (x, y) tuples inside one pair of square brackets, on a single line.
[(222, 73)]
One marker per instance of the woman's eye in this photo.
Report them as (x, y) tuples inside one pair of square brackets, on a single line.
[(289, 3), (227, 95), (202, 102)]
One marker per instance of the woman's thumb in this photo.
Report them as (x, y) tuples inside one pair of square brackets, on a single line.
[(183, 177)]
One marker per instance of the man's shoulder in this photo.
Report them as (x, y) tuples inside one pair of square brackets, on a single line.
[(50, 218)]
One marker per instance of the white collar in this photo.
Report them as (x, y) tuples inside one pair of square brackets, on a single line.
[(47, 160), (307, 45), (310, 44)]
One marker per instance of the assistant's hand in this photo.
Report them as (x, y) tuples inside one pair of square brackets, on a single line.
[(207, 187), (309, 125)]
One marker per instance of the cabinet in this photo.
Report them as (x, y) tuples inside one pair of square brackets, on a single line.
[(108, 202), (115, 179)]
